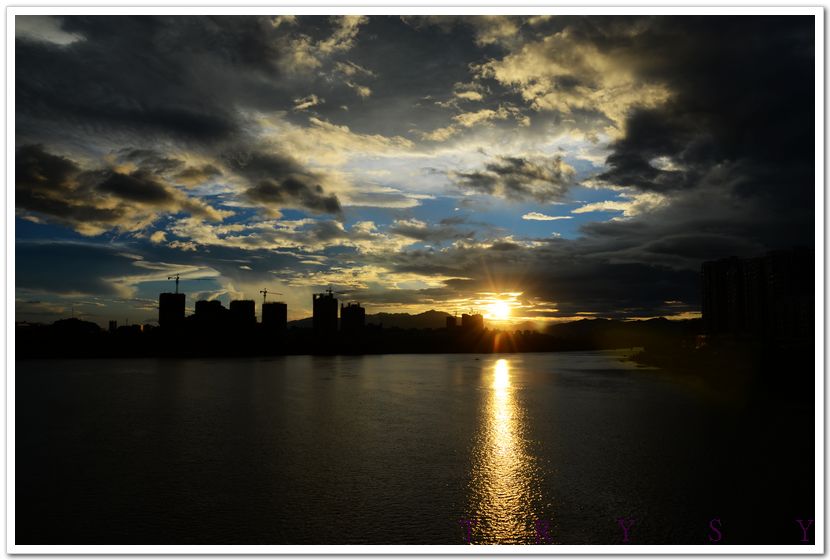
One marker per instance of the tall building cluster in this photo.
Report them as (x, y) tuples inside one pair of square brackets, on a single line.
[(274, 314), (768, 297), (325, 310), (469, 322)]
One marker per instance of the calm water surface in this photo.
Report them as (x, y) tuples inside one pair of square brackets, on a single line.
[(399, 449)]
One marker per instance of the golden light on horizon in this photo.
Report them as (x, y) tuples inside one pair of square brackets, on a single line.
[(499, 310)]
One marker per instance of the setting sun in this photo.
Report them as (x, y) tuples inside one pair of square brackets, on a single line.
[(499, 310)]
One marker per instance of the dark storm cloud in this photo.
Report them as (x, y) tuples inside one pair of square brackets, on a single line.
[(702, 224), (518, 178), (36, 169), (47, 184), (294, 193), (146, 74), (95, 200), (436, 233), (149, 79), (77, 214), (191, 78), (159, 164), (558, 272), (193, 82), (414, 69), (736, 99), (138, 186), (732, 149), (151, 160), (279, 181), (173, 81)]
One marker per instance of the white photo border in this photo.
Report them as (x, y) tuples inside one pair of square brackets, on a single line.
[(432, 8)]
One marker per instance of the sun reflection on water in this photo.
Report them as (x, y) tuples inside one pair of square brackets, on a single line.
[(501, 375), (503, 472)]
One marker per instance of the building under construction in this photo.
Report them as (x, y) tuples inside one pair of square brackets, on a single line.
[(171, 309), (210, 311), (769, 297), (352, 318), (472, 322), (275, 315), (325, 312), (243, 312)]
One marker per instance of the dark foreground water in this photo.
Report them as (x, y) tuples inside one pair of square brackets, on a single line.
[(402, 449)]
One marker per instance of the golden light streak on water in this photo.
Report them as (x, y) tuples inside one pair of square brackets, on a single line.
[(503, 473)]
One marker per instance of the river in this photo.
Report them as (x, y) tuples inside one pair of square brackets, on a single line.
[(553, 448)]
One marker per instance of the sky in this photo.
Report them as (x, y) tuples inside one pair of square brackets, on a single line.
[(568, 166)]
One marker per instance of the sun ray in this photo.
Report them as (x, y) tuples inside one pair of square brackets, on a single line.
[(498, 310)]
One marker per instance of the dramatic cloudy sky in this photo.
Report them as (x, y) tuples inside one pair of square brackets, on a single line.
[(575, 166)]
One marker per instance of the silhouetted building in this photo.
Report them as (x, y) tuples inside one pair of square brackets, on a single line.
[(210, 311), (769, 296), (352, 317), (275, 315), (129, 330), (243, 312), (472, 322), (451, 322), (171, 309), (325, 313), (113, 326)]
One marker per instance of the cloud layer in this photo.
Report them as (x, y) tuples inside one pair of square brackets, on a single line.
[(413, 161)]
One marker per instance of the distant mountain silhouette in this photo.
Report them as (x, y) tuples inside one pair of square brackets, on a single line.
[(75, 326), (427, 320), (612, 333), (523, 326)]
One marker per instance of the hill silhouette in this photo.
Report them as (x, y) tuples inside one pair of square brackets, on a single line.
[(431, 319)]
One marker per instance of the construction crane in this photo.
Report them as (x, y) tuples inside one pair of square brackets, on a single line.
[(177, 281), (265, 293), (330, 291), (176, 278)]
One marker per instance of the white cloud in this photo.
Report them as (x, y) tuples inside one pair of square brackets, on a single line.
[(301, 53), (607, 81), (632, 205), (304, 103), (43, 28), (469, 95), (665, 163), (475, 118), (349, 68), (544, 217), (157, 237), (362, 91)]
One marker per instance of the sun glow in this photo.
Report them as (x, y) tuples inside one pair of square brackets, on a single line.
[(498, 310)]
